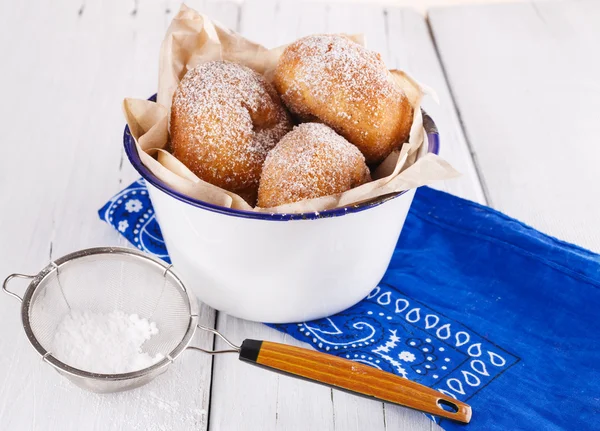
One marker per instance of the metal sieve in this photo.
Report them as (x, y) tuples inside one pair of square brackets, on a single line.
[(105, 279)]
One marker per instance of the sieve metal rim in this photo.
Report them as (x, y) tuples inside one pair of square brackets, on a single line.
[(64, 368)]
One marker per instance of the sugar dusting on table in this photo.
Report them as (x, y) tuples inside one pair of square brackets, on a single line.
[(105, 343)]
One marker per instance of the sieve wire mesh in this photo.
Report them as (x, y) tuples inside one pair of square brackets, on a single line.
[(102, 283)]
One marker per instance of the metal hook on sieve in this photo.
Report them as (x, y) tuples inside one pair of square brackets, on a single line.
[(234, 348), (10, 277)]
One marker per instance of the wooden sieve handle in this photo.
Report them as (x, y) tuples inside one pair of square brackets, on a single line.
[(353, 377)]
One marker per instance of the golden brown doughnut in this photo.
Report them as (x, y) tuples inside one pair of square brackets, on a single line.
[(346, 86), (309, 162), (224, 120)]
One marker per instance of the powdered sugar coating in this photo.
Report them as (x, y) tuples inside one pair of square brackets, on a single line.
[(225, 118), (328, 53), (344, 85), (309, 162)]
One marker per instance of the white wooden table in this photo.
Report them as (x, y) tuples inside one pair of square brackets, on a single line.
[(520, 102)]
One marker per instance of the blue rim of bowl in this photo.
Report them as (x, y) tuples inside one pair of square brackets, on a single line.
[(131, 151)]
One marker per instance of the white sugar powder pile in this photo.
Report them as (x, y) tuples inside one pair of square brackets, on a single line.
[(104, 343)]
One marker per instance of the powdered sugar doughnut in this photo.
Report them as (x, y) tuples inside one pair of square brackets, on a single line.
[(224, 120), (346, 86), (309, 162)]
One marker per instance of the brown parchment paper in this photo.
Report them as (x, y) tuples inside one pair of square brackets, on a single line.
[(193, 39)]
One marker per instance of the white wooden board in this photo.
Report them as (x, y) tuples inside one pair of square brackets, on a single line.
[(526, 81), (66, 69)]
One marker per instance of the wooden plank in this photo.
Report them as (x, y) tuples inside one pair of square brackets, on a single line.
[(242, 394), (226, 12), (410, 48), (374, 22), (526, 84), (63, 122)]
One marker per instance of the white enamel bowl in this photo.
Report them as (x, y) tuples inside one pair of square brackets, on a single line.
[(278, 268)]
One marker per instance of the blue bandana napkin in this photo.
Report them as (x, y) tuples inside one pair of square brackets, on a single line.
[(474, 304)]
